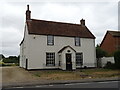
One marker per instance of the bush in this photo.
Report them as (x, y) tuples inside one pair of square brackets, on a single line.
[(16, 64), (117, 59), (100, 53), (8, 64), (110, 65), (2, 63), (10, 60)]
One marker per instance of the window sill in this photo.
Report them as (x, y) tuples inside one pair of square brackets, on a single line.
[(78, 45), (50, 66), (49, 45)]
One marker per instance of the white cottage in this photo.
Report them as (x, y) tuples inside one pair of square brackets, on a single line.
[(56, 45)]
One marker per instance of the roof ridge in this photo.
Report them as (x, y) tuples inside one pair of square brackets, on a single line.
[(113, 31), (57, 22)]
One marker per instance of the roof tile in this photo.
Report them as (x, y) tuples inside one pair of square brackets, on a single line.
[(42, 27)]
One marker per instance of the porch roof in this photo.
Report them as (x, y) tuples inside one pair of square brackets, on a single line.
[(60, 51)]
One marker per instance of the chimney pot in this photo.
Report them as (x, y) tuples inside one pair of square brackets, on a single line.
[(27, 7), (82, 21), (28, 13)]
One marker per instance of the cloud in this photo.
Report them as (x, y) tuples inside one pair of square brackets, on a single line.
[(10, 41), (99, 18)]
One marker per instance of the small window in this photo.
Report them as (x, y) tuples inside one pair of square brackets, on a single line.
[(79, 59), (50, 59), (77, 41), (50, 40)]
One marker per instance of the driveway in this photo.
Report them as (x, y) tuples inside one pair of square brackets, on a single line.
[(16, 74)]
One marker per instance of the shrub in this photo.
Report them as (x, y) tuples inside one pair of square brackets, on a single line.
[(2, 63), (117, 59), (17, 64), (100, 53), (10, 60), (110, 65)]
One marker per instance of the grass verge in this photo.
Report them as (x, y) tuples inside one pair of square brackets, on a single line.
[(74, 75)]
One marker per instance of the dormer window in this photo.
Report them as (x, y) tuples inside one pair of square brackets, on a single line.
[(77, 41), (50, 40)]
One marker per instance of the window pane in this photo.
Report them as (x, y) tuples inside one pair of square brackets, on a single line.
[(79, 59), (50, 40), (50, 59), (77, 41)]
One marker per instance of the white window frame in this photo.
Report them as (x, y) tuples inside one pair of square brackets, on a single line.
[(77, 41), (79, 59), (50, 59), (50, 40)]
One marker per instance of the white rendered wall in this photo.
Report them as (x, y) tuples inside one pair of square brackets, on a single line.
[(38, 47), (35, 48), (24, 49), (21, 56)]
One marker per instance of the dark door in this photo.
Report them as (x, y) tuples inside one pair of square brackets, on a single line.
[(68, 62), (26, 64)]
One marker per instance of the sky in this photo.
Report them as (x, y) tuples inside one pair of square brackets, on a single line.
[(99, 15)]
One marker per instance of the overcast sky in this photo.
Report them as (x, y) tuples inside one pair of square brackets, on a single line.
[(99, 17)]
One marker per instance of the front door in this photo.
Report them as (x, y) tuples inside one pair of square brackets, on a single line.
[(68, 62), (26, 64)]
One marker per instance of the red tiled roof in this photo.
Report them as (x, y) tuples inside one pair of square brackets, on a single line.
[(42, 27), (115, 33)]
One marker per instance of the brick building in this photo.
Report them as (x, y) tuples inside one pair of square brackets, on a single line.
[(111, 42)]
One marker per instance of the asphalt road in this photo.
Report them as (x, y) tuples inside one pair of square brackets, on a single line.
[(106, 84)]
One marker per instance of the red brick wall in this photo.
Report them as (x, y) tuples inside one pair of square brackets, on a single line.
[(117, 42), (109, 44)]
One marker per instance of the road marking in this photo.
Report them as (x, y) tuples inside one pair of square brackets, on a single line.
[(102, 82), (70, 84), (108, 82), (77, 83), (17, 87), (91, 83), (38, 86), (50, 85), (42, 86)]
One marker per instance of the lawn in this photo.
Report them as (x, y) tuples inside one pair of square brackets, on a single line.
[(77, 74), (14, 74)]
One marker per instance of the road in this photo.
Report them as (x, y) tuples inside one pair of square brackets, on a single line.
[(106, 84)]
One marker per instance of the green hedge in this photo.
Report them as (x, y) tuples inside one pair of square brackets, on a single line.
[(117, 59), (8, 60)]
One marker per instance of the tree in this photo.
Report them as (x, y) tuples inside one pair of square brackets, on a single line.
[(2, 56), (99, 54), (11, 59), (117, 59)]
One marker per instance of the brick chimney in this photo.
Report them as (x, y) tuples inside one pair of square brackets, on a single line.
[(28, 13), (82, 21)]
